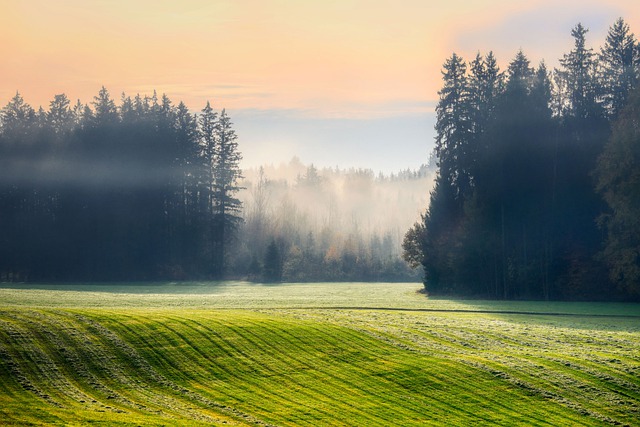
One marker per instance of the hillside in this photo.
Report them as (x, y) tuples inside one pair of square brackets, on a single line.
[(158, 356)]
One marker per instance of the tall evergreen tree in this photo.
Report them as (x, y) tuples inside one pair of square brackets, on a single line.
[(438, 234), (485, 85), (192, 214), (619, 61), (453, 127), (207, 123), (226, 175), (578, 75)]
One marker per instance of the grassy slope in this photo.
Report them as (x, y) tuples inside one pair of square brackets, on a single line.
[(75, 357)]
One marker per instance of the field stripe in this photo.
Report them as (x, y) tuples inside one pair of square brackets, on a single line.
[(473, 356), (314, 368)]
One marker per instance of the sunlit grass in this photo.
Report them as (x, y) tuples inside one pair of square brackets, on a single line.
[(310, 354), (245, 295)]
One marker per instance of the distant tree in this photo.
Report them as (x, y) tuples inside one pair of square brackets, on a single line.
[(520, 75), (618, 181), (505, 219), (189, 213), (104, 107), (542, 90), (60, 116), (412, 245), (272, 266), (256, 214), (17, 115), (311, 178)]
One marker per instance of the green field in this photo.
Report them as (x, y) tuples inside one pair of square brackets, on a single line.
[(310, 354)]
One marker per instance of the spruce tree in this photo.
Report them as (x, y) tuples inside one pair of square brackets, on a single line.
[(207, 122), (453, 127), (619, 59), (226, 176), (577, 73), (60, 116)]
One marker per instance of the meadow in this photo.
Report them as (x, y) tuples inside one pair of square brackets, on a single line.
[(353, 354)]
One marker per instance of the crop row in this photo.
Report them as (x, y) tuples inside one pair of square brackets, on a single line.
[(589, 364), (311, 367)]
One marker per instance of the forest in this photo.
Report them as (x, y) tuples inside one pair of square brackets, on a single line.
[(145, 190), (534, 190), (140, 191), (308, 224), (538, 179)]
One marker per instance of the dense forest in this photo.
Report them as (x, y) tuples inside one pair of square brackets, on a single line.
[(139, 191), (538, 184), (536, 191), (145, 190)]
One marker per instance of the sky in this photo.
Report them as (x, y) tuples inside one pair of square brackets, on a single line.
[(347, 83)]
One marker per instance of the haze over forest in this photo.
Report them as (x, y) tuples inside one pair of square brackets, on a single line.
[(141, 186)]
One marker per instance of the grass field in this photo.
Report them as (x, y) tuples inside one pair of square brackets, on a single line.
[(310, 354)]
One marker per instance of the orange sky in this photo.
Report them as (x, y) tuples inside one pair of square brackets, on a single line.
[(349, 59), (335, 58)]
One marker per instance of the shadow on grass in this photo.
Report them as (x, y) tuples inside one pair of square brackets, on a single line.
[(133, 287)]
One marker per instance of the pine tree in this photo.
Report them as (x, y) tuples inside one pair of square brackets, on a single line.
[(207, 122), (520, 74), (105, 108), (60, 116), (226, 175), (577, 76), (272, 270), (485, 85), (453, 127), (619, 59), (17, 115)]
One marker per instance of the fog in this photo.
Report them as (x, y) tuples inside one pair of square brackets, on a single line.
[(294, 198), (91, 174), (131, 191)]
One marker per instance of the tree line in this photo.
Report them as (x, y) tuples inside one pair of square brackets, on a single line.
[(536, 194), (146, 190), (142, 190), (304, 223)]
